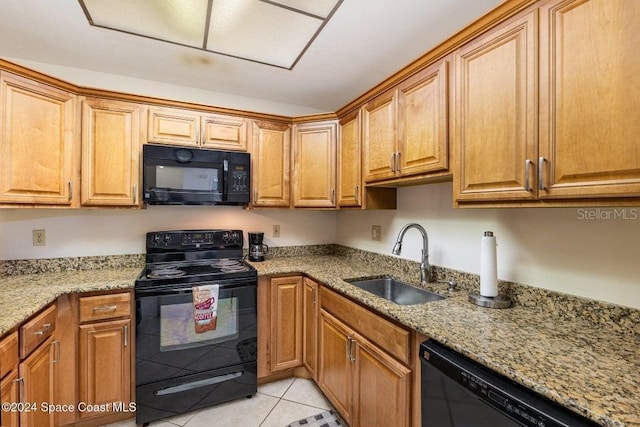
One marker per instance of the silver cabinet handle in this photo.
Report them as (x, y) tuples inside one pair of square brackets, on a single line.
[(126, 335), (56, 347), (357, 191), (392, 162), (43, 330), (70, 190), (255, 195), (398, 161), (313, 296), (20, 382), (333, 196), (351, 356), (349, 348), (135, 194), (527, 172), (541, 173), (105, 308)]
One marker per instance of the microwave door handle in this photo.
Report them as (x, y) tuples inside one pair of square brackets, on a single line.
[(223, 188)]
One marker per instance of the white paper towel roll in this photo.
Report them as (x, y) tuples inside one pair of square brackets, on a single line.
[(488, 266)]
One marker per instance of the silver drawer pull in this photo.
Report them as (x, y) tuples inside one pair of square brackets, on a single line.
[(105, 308), (43, 330)]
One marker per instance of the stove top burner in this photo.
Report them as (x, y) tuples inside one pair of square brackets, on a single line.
[(166, 273)]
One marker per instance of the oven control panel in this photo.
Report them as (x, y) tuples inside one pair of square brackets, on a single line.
[(189, 239)]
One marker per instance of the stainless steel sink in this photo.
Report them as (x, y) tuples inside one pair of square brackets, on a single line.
[(395, 291)]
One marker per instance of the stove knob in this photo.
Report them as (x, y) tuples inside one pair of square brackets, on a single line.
[(226, 236), (235, 236), (166, 238), (156, 238)]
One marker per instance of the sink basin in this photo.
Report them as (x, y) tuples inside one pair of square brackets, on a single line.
[(395, 291)]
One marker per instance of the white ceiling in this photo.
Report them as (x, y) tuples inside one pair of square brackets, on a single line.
[(363, 43)]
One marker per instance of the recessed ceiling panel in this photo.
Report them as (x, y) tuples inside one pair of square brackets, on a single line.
[(321, 8), (259, 31), (177, 21)]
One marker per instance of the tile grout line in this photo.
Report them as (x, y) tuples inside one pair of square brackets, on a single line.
[(279, 399)]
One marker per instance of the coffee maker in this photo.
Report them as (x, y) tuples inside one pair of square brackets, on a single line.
[(257, 250)]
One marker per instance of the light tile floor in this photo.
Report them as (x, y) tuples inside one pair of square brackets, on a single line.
[(276, 404)]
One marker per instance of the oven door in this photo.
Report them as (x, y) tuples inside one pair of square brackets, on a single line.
[(167, 345)]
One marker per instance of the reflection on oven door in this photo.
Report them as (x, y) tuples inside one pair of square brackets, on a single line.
[(177, 329)]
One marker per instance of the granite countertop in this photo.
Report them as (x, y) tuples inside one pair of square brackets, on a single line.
[(24, 295), (593, 370)]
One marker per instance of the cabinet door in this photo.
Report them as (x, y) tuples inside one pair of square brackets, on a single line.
[(110, 152), (335, 371), (350, 161), (286, 323), (590, 108), (495, 114), (37, 373), (105, 364), (381, 388), (423, 122), (314, 165), (173, 126), (10, 392), (379, 122), (36, 142), (224, 132), (310, 314), (270, 164)]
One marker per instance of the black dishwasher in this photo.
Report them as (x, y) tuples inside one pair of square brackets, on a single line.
[(458, 392)]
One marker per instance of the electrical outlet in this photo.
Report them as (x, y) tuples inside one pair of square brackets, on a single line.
[(376, 232), (276, 231), (39, 237)]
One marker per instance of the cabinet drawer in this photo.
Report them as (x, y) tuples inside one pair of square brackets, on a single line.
[(392, 338), (103, 307), (8, 354), (37, 330)]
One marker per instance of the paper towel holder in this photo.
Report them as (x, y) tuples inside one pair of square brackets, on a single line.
[(499, 301)]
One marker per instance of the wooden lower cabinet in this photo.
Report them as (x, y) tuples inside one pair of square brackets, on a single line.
[(105, 364), (37, 374), (104, 353), (310, 312), (366, 386), (10, 392), (280, 338)]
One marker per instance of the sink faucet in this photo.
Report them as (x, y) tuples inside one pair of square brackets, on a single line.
[(425, 269)]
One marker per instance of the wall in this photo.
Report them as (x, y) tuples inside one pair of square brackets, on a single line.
[(553, 248), (114, 232)]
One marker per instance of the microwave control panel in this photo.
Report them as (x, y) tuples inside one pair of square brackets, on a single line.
[(239, 179)]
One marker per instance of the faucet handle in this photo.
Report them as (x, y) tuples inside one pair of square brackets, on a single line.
[(451, 282)]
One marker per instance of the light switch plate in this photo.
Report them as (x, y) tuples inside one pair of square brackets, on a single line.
[(276, 231)]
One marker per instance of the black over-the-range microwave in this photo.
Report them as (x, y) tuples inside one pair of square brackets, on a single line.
[(195, 176)]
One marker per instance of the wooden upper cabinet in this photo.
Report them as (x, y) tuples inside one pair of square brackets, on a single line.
[(111, 138), (423, 138), (314, 165), (494, 135), (173, 126), (590, 108), (190, 128), (350, 161), (406, 128), (379, 123), (224, 132), (37, 142), (270, 164)]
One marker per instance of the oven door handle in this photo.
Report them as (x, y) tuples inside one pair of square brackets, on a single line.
[(228, 284)]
